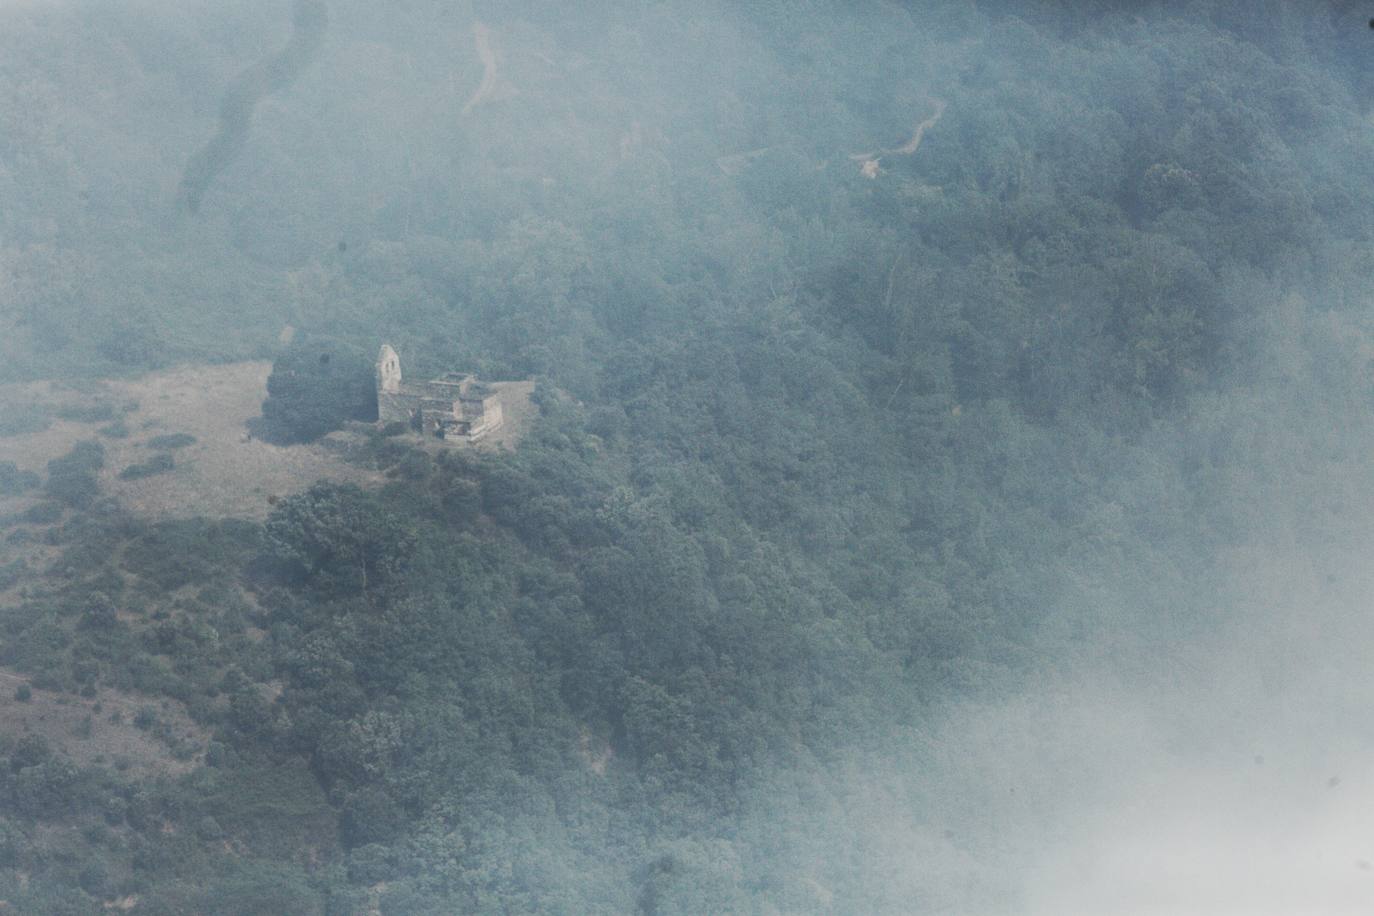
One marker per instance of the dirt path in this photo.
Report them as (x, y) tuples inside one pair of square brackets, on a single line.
[(868, 162), (736, 162), (482, 37), (910, 146)]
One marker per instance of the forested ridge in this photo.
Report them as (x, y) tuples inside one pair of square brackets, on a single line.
[(819, 453)]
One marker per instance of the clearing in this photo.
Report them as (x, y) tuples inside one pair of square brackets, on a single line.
[(105, 728), (224, 473)]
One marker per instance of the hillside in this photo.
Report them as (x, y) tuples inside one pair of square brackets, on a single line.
[(978, 525)]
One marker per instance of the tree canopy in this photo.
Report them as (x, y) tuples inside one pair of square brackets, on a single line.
[(828, 454)]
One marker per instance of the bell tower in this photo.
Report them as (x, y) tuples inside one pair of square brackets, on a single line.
[(388, 371)]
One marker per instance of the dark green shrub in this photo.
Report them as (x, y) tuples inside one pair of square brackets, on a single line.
[(30, 750), (87, 413), (370, 864), (462, 499), (86, 455), (116, 430), (14, 481), (260, 889), (75, 488), (415, 466), (45, 513), (71, 478), (171, 441), (160, 463), (22, 419), (12, 843), (133, 343), (113, 809), (369, 817), (99, 612), (95, 880), (11, 573)]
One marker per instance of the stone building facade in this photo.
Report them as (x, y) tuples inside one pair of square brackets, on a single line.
[(453, 406)]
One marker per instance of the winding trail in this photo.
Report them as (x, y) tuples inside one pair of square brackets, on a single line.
[(868, 162), (910, 146), (481, 35)]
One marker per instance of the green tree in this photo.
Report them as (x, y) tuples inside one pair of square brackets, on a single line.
[(315, 387), (340, 540)]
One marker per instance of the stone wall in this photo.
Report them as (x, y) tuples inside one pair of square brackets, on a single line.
[(397, 406), (455, 406)]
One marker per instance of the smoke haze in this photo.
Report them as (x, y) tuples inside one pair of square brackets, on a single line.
[(977, 525)]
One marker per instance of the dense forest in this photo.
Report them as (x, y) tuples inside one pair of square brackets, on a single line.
[(897, 504)]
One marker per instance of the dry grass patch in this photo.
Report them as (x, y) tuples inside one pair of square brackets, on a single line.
[(224, 473), (110, 735)]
